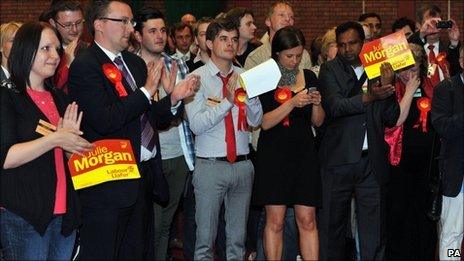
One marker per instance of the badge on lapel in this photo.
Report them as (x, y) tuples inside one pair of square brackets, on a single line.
[(113, 74)]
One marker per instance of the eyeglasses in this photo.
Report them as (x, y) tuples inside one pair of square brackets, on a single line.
[(69, 26), (123, 21)]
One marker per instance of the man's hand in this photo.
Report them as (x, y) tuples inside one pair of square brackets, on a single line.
[(454, 34), (185, 88), (387, 75), (169, 78), (379, 92), (153, 76), (69, 52), (429, 27), (231, 86)]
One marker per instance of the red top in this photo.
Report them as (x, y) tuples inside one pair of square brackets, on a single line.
[(44, 100)]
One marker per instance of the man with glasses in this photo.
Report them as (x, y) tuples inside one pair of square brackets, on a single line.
[(117, 216), (67, 17)]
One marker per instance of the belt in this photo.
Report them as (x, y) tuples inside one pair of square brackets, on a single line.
[(239, 158), (364, 153)]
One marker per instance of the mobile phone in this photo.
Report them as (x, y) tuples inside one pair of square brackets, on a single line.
[(312, 89), (444, 24)]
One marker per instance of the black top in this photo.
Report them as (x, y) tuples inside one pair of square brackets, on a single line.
[(287, 168), (29, 190), (417, 145), (240, 59), (193, 66)]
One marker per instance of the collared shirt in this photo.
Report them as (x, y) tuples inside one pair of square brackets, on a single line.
[(6, 72), (436, 49), (206, 116), (263, 53), (181, 56), (359, 72), (177, 140), (144, 153)]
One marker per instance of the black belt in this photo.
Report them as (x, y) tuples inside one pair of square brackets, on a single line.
[(239, 158), (364, 153)]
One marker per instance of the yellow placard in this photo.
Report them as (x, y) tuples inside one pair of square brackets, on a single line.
[(110, 160)]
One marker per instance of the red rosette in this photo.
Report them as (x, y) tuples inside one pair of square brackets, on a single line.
[(113, 74), (282, 95), (424, 105), (443, 63), (240, 98)]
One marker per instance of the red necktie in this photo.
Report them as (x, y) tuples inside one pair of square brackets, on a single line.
[(230, 132), (435, 77)]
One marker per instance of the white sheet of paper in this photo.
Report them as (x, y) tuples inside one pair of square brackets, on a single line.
[(261, 78)]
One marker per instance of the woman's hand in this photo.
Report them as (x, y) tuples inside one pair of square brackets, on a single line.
[(71, 142), (71, 119), (413, 83), (301, 99), (315, 98)]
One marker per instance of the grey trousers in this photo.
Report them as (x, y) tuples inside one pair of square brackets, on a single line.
[(214, 182), (176, 172)]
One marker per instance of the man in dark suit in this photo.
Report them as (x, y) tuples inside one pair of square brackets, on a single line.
[(117, 216), (447, 119), (353, 151)]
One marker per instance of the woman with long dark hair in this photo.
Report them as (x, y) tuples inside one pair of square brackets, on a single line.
[(39, 211)]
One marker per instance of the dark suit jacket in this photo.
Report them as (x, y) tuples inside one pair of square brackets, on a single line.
[(347, 119), (452, 54), (2, 75), (447, 119), (29, 190), (106, 115)]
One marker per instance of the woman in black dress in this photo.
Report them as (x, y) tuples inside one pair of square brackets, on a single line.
[(413, 147), (287, 165)]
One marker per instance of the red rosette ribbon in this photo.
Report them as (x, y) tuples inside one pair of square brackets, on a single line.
[(282, 95), (443, 64), (240, 98), (114, 75), (424, 104)]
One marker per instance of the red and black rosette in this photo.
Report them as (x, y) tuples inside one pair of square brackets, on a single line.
[(424, 105), (240, 98), (282, 95), (114, 76)]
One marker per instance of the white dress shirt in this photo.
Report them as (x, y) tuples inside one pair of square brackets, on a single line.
[(207, 118)]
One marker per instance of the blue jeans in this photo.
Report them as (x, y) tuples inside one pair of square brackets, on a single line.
[(21, 241)]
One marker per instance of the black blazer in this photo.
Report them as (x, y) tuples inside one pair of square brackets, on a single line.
[(447, 119), (29, 190), (347, 119), (452, 54), (106, 115)]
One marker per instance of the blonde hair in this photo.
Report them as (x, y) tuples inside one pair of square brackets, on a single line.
[(7, 30), (328, 38)]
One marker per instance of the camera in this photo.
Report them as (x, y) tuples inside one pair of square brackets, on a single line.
[(444, 24)]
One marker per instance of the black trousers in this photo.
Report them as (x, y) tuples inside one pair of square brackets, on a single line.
[(339, 184), (120, 233)]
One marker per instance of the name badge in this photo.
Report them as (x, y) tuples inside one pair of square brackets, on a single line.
[(418, 93), (213, 101)]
